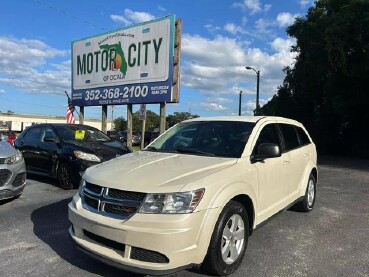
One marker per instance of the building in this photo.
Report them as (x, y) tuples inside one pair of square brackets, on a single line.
[(18, 122)]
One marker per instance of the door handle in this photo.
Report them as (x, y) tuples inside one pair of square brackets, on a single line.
[(286, 162)]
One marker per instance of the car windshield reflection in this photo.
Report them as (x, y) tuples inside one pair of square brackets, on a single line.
[(205, 138), (82, 134)]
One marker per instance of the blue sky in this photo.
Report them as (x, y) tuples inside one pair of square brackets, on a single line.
[(219, 38)]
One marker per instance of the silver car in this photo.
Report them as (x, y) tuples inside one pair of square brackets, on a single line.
[(12, 171)]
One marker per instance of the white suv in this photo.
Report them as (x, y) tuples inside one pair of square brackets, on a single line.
[(195, 194)]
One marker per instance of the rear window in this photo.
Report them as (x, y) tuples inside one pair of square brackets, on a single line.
[(33, 134), (304, 139), (289, 136)]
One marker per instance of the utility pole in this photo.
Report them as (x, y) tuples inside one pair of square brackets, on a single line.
[(239, 103)]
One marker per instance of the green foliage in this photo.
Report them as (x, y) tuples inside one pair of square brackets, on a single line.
[(327, 87), (120, 124), (177, 117), (152, 121)]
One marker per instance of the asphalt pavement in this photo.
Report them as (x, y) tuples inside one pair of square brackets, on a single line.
[(332, 240)]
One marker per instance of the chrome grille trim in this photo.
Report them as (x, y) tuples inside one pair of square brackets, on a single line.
[(104, 198)]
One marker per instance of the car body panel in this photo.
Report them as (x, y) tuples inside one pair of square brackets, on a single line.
[(270, 185), (14, 184)]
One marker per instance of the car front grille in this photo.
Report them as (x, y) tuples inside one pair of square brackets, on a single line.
[(104, 241), (19, 179), (4, 176), (111, 202)]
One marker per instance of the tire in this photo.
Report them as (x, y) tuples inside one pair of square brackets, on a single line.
[(65, 178), (232, 220), (307, 203)]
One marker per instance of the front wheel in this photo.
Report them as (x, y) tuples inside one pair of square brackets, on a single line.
[(65, 176), (307, 203), (229, 240)]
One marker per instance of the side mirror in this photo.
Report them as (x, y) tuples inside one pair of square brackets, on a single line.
[(266, 151)]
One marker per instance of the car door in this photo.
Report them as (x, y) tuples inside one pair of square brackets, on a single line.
[(299, 157), (29, 147), (48, 150), (273, 181)]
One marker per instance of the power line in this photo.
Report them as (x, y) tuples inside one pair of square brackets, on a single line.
[(63, 12)]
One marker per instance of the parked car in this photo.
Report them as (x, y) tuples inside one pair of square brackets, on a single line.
[(12, 171), (11, 137), (195, 194), (66, 150), (117, 135), (136, 137), (150, 136), (3, 136)]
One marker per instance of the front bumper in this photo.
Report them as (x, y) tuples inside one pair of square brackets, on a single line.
[(182, 239), (13, 179)]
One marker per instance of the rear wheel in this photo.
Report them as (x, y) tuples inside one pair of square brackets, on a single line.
[(65, 178), (229, 240)]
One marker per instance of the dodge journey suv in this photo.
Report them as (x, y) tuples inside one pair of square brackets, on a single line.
[(194, 195)]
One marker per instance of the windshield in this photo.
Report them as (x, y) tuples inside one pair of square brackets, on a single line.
[(211, 138), (81, 133)]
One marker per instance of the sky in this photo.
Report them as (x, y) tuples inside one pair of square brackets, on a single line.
[(219, 39)]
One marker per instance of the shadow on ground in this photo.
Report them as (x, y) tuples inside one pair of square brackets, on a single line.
[(43, 179), (50, 224)]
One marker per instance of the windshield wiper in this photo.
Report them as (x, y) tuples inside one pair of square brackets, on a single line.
[(194, 151)]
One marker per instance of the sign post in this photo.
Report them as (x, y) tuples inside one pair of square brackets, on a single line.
[(143, 118)]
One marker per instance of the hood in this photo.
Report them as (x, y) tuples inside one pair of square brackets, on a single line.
[(104, 150), (6, 150), (154, 172)]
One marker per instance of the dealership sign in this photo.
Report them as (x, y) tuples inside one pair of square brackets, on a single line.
[(128, 66)]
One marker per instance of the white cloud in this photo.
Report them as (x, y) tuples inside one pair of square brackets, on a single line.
[(286, 19), (283, 45), (216, 67), (267, 7), (233, 29), (162, 9), (120, 19), (2, 91), (132, 17), (212, 29), (212, 106), (305, 3), (253, 5), (29, 65)]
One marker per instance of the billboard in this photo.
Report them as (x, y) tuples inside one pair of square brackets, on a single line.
[(133, 65)]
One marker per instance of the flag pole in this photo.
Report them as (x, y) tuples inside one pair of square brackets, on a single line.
[(69, 99)]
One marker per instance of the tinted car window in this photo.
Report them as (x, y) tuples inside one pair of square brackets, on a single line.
[(215, 138), (304, 139), (269, 134), (289, 136), (49, 133), (33, 134)]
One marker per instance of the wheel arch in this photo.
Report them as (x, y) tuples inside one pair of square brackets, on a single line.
[(314, 171), (246, 201)]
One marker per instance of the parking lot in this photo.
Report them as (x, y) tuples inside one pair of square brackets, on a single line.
[(332, 240)]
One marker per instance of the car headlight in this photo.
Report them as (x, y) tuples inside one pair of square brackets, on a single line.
[(15, 158), (86, 156), (172, 203)]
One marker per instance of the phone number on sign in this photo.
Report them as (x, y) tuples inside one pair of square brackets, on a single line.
[(114, 93)]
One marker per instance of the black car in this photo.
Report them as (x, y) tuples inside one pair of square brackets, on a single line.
[(66, 150)]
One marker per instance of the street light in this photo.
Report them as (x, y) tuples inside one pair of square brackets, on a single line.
[(257, 87)]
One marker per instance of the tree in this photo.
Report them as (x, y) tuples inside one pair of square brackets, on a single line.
[(177, 117), (327, 87), (120, 124), (152, 121)]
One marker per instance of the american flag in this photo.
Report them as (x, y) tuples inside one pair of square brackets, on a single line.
[(70, 110)]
